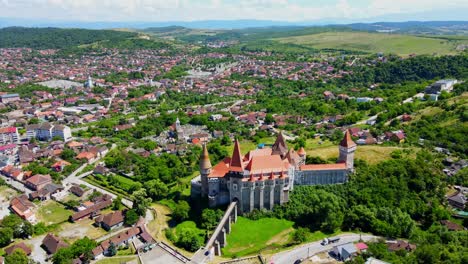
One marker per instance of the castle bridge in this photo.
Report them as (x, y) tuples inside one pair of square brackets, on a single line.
[(218, 238)]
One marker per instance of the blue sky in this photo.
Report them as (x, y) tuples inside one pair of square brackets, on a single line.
[(280, 10)]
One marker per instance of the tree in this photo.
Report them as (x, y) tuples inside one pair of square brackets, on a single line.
[(131, 217), (112, 249), (117, 203), (181, 211), (141, 202), (6, 234), (17, 257), (301, 235), (157, 189), (210, 218), (68, 154)]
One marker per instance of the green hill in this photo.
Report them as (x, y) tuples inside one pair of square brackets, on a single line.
[(56, 38)]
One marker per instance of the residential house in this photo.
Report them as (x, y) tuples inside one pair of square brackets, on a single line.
[(120, 239), (400, 245), (458, 201), (110, 221), (77, 190), (345, 252), (52, 244), (8, 98), (60, 165), (38, 181), (99, 204), (46, 192), (20, 246), (101, 170), (451, 226), (23, 208)]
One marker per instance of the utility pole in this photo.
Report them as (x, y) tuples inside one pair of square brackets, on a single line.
[(308, 251)]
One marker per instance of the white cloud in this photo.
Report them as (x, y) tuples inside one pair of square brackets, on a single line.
[(170, 10)]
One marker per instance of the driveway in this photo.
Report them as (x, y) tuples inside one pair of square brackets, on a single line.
[(38, 254), (308, 250)]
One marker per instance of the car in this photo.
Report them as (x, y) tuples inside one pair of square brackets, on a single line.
[(298, 261)]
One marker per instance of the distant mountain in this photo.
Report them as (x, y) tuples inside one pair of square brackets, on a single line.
[(416, 27)]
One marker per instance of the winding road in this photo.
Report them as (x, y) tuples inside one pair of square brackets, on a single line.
[(310, 249)]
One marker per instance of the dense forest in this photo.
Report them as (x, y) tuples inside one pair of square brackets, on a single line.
[(56, 38)]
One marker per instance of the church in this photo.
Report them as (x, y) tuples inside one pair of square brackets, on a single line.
[(264, 177)]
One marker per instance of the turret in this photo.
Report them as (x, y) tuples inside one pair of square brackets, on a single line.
[(205, 170), (303, 155), (347, 149)]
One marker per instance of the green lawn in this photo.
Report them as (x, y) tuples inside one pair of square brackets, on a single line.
[(377, 42), (51, 212), (250, 237)]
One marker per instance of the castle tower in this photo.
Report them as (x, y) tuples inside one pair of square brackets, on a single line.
[(236, 164), (347, 149), (205, 170), (280, 147), (302, 154), (179, 130)]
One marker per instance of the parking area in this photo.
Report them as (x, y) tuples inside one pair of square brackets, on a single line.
[(160, 255)]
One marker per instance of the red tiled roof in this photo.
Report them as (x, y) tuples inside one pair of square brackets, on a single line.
[(347, 141), (236, 160), (21, 246)]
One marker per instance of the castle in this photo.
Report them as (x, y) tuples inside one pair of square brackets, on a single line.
[(264, 177)]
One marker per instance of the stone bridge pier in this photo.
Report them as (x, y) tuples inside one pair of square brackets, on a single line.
[(218, 238)]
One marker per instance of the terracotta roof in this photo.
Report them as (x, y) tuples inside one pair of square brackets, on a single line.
[(52, 243), (260, 164), (361, 246), (236, 160), (113, 219), (347, 142), (39, 179), (312, 167), (399, 245), (220, 169), (98, 206), (301, 152), (21, 246)]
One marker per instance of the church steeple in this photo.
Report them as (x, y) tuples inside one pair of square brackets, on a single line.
[(236, 160)]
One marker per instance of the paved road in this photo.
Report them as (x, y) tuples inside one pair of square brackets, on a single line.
[(16, 185), (308, 250)]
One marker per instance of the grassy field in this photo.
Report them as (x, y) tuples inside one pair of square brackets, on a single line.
[(377, 42), (372, 154), (250, 237), (52, 212)]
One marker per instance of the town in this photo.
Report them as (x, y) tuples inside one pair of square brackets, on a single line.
[(195, 153)]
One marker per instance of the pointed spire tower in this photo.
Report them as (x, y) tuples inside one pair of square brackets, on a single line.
[(236, 164), (205, 170), (347, 149), (280, 147)]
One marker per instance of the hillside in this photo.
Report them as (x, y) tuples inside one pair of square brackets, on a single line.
[(56, 38), (377, 42)]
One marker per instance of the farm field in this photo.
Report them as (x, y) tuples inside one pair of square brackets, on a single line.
[(250, 237), (372, 154), (377, 42)]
